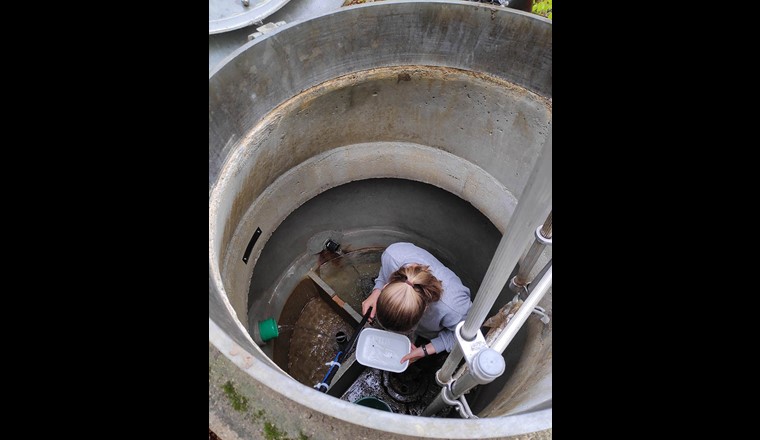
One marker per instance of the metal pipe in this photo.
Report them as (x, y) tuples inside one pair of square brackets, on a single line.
[(538, 289), (534, 203), (436, 405), (443, 375), (463, 384), (546, 229), (526, 265), (468, 379), (518, 283), (472, 378), (486, 366)]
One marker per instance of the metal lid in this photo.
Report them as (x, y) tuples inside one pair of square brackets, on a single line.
[(227, 15)]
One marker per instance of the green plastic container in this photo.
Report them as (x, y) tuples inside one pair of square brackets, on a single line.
[(374, 402), (268, 329)]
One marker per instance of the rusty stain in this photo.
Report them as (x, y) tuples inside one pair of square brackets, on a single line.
[(403, 77), (247, 361), (358, 2), (521, 123), (325, 256)]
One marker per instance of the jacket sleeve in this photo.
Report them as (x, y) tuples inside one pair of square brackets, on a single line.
[(446, 340), (388, 265)]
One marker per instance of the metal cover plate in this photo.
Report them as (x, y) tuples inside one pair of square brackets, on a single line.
[(382, 350), (227, 15)]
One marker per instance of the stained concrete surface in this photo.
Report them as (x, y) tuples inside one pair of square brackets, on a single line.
[(264, 414)]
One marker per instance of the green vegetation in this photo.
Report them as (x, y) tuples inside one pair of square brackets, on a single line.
[(257, 415), (543, 8), (271, 432), (239, 402)]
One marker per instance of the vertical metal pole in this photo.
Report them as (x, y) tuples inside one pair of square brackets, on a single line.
[(538, 289), (470, 380), (534, 204), (526, 265)]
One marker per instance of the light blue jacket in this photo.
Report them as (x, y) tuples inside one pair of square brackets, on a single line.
[(441, 317)]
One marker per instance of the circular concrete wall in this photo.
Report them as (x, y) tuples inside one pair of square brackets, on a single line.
[(454, 95)]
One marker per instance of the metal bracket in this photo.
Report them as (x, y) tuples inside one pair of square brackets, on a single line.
[(461, 404), (540, 311), (265, 29), (541, 239), (519, 289), (470, 348)]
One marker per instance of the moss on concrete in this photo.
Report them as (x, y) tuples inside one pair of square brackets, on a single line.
[(271, 432), (237, 409), (238, 401)]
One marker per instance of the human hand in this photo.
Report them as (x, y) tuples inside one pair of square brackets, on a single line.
[(371, 301), (417, 353), (413, 355)]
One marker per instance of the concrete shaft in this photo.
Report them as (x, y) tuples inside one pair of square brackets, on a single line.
[(455, 95)]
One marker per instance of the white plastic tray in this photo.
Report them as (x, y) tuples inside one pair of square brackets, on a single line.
[(382, 349)]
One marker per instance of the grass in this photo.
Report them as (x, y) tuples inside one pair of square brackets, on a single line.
[(543, 8)]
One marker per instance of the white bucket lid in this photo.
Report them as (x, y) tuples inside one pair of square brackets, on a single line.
[(383, 350)]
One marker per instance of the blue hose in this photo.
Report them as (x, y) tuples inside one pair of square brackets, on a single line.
[(336, 362), (324, 379)]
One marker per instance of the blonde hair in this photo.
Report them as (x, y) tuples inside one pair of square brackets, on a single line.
[(403, 301)]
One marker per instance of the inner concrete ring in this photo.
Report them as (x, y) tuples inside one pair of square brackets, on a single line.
[(287, 117)]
